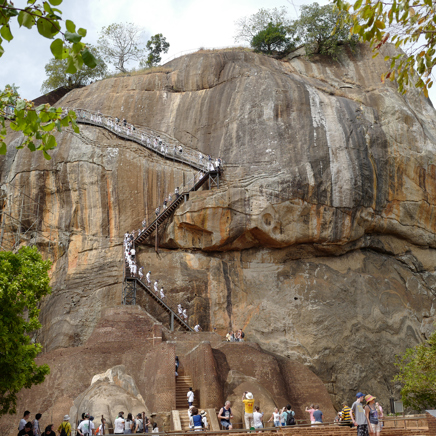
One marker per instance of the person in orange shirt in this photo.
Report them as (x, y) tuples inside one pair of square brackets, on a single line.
[(247, 399)]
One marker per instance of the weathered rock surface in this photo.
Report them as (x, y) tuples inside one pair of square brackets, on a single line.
[(320, 242)]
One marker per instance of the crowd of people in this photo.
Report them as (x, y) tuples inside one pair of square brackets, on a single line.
[(153, 142), (367, 418)]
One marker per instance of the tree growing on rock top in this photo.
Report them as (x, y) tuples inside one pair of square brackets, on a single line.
[(156, 45), (319, 33), (274, 38), (57, 76), (121, 43), (248, 27), (24, 281)]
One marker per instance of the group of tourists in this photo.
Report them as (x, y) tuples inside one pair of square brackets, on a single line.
[(32, 428), (129, 425), (153, 142), (237, 336)]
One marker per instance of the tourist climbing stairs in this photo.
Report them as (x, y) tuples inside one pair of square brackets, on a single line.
[(174, 318), (183, 383), (202, 178)]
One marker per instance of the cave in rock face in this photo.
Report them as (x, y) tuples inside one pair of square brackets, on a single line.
[(319, 242)]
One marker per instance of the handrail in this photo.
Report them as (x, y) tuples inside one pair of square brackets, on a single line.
[(148, 139), (168, 308)]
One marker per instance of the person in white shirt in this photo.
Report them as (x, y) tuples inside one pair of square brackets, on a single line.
[(119, 424), (185, 315), (156, 289), (197, 328), (190, 396), (100, 430), (148, 277), (162, 295), (23, 420), (179, 309), (86, 427), (141, 272), (257, 418)]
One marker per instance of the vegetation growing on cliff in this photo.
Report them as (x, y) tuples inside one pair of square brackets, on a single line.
[(270, 30), (57, 75), (36, 124), (418, 375), (410, 25), (24, 281), (121, 43)]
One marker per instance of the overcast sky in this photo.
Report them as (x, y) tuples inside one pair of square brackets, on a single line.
[(187, 25)]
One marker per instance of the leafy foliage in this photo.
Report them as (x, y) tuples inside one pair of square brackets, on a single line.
[(317, 28), (35, 123), (418, 375), (57, 75), (409, 24), (156, 45), (120, 43), (273, 38), (249, 27), (23, 282), (271, 30), (47, 20)]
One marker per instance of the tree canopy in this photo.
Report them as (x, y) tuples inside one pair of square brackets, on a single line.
[(273, 38), (156, 45), (417, 375), (120, 43), (57, 76), (271, 30), (24, 281), (248, 27), (409, 24), (38, 123), (317, 28)]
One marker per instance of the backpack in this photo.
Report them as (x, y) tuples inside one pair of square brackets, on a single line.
[(242, 335), (63, 431), (290, 420), (140, 426)]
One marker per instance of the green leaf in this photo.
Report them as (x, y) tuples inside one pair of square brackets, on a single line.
[(71, 69), (5, 32), (26, 20), (55, 2), (77, 47), (72, 37), (31, 2), (3, 148), (47, 8), (46, 155), (89, 59), (57, 47), (82, 32), (47, 28), (31, 146), (51, 143), (71, 27), (357, 5), (48, 127)]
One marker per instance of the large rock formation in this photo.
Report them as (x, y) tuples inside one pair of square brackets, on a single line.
[(320, 242)]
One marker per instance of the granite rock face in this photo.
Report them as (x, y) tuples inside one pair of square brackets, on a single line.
[(320, 241)]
